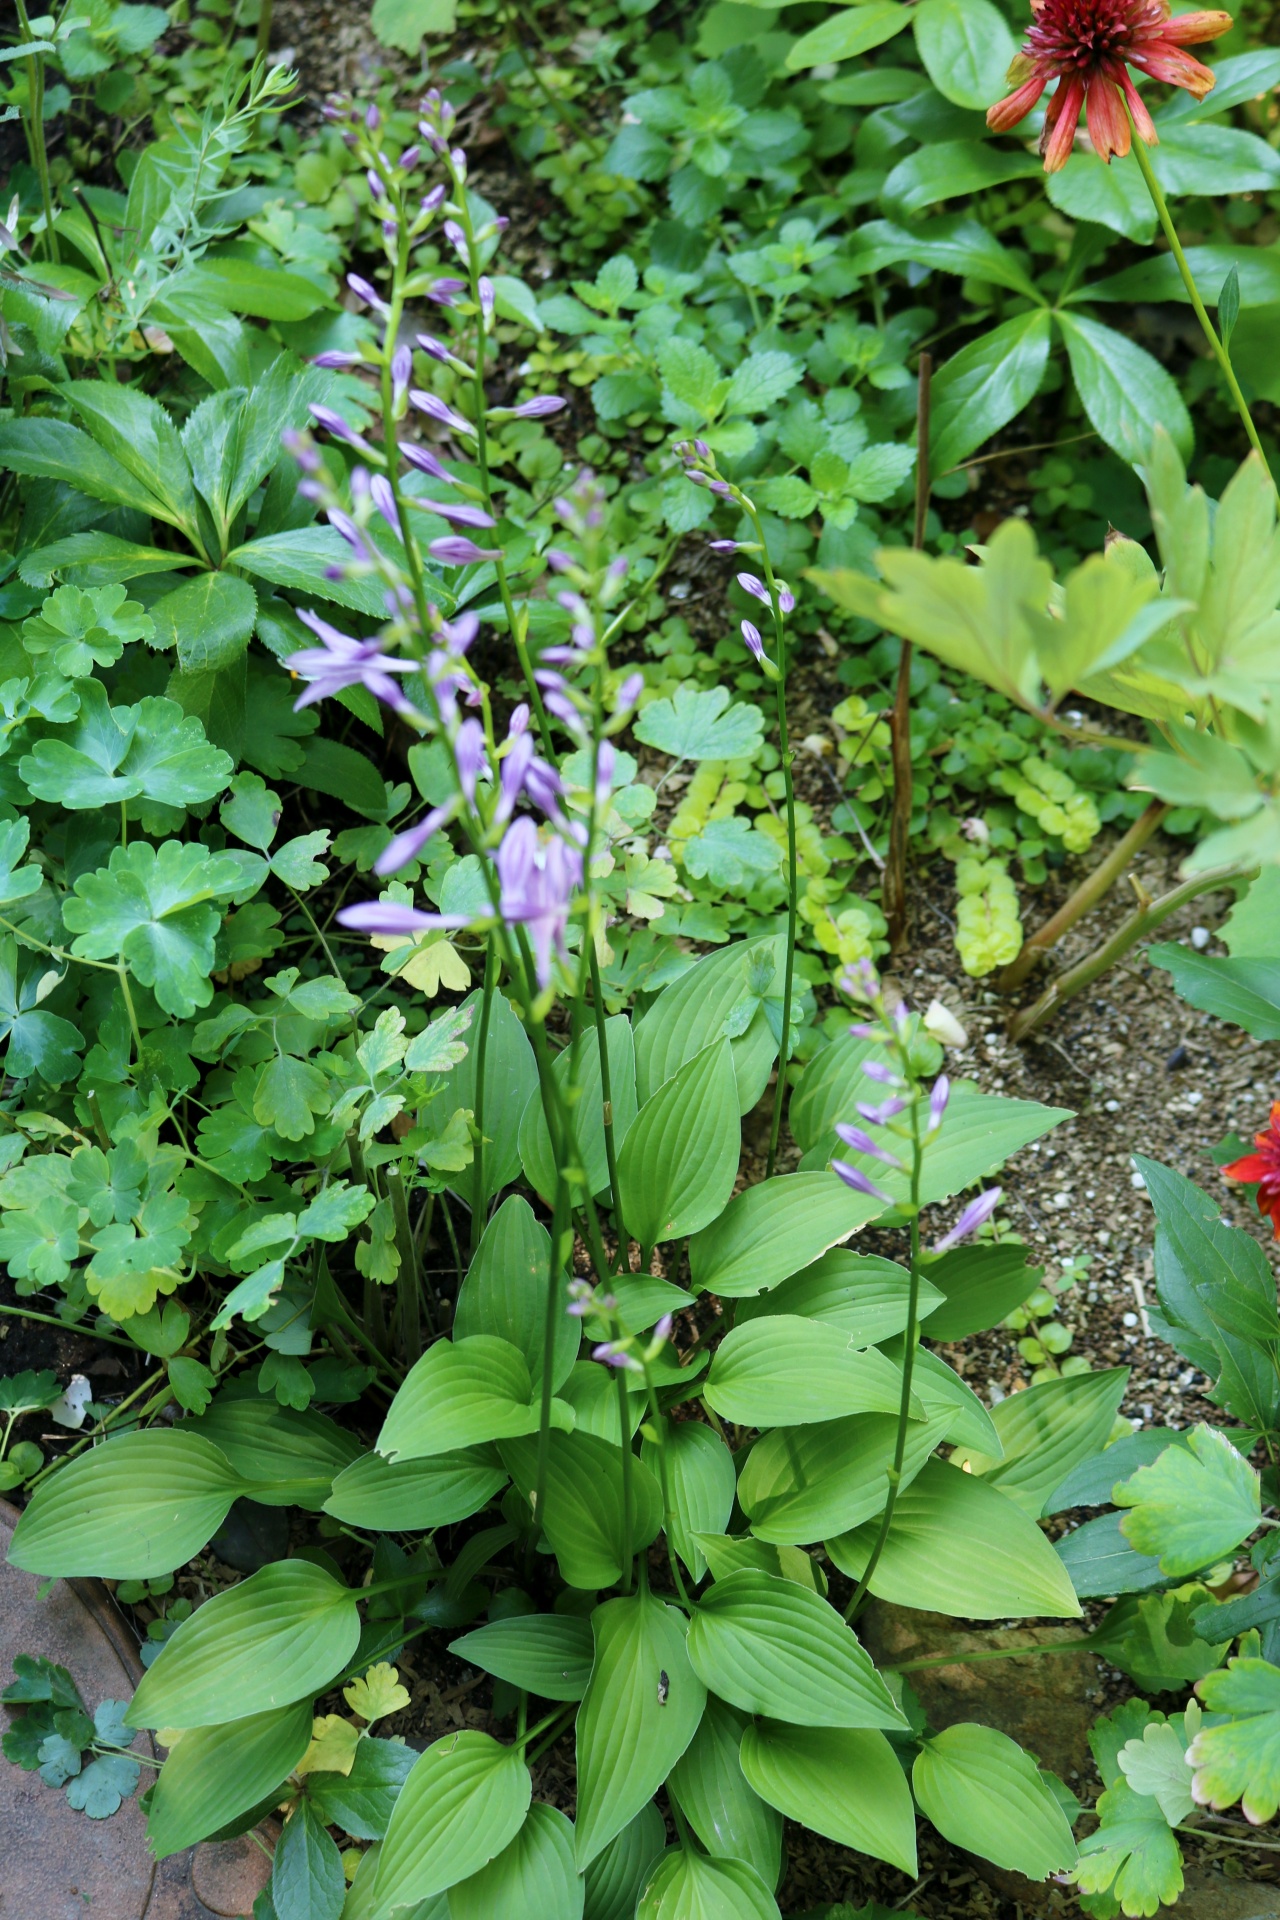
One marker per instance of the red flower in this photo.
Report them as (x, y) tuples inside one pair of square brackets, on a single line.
[(1264, 1167), (1084, 45)]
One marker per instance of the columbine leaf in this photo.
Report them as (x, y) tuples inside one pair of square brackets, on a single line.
[(105, 1782), (152, 751), (1192, 1505), (1133, 1855), (16, 882), (1240, 1759), (731, 853), (39, 1042), (80, 629), (150, 906), (695, 726), (28, 1393)]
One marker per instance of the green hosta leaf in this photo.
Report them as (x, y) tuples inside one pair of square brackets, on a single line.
[(465, 1799), (844, 1782), (284, 1632), (152, 751), (961, 1548), (210, 620), (408, 1496), (769, 1646), (505, 1291), (534, 1874), (78, 630), (728, 1816), (150, 906), (1046, 1432), (1192, 1505), (215, 1774), (641, 1710), (584, 1507), (983, 1793), (460, 1393), (981, 1286), (588, 1113), (1132, 1856), (780, 1370), (863, 1294), (549, 1654), (290, 1457), (679, 1160), (1240, 1759), (132, 1509), (307, 1881), (39, 1042), (616, 1878), (694, 725), (806, 1483), (702, 1485), (698, 1007), (689, 1886)]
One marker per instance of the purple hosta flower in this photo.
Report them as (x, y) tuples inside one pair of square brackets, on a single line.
[(488, 297), (880, 1116), (722, 489), (722, 546), (537, 878), (424, 460), (864, 1030), (342, 522), (938, 1099), (407, 845), (335, 358), (458, 633), (617, 569), (436, 409), (435, 348), (628, 693), (300, 446), (343, 662), (606, 764), (444, 292), (364, 290), (410, 158), (372, 117), (581, 1296), (756, 588), (662, 1332), (333, 423), (887, 1076), (861, 1142), (860, 982), (377, 187), (462, 514), (549, 680), (614, 1354), (458, 240), (786, 599), (975, 1215), (566, 713), (468, 753), (755, 645), (397, 922), (538, 409), (401, 374), (433, 201), (455, 550), (854, 1178), (385, 501)]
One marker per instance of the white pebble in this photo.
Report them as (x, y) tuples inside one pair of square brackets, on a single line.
[(1128, 1319), (1062, 1201), (1136, 1180), (1200, 938), (1111, 1106)]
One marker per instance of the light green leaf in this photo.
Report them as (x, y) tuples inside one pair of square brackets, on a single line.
[(679, 1160), (588, 1112), (583, 1518), (1157, 1766), (1240, 1759), (844, 1782), (961, 1548), (728, 1816), (1132, 1857), (132, 1509), (284, 1632), (694, 725), (769, 1646), (459, 1393), (152, 751), (1192, 1505), (690, 1886), (688, 1015), (505, 1291), (1123, 390), (702, 1483), (150, 906), (780, 1370), (641, 1710), (534, 1874), (965, 46), (983, 1793), (549, 1654), (863, 1294), (851, 31), (290, 1458), (215, 1774), (405, 24), (1045, 1433), (807, 1483), (465, 1799), (615, 1879), (409, 1496)]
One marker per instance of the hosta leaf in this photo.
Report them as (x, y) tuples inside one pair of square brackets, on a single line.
[(410, 1495), (780, 1370), (214, 1774), (460, 1393), (689, 1886), (534, 1874), (983, 1793), (549, 1654), (844, 1782), (466, 1797), (728, 1816)]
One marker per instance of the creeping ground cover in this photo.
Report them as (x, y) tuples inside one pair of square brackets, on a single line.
[(544, 591)]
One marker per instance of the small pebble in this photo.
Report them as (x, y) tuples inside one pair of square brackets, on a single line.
[(1128, 1319), (1178, 1058), (1200, 938), (1062, 1201), (1136, 1180), (1111, 1106)]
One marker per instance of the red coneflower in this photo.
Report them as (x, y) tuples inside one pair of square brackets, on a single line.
[(1264, 1167), (1084, 45)]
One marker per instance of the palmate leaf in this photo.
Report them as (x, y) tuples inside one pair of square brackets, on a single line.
[(1240, 1759), (108, 754), (1192, 1505), (695, 726), (151, 907), (39, 1042), (1133, 1855), (78, 629)]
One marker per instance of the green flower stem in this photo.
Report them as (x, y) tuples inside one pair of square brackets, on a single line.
[(895, 872), (793, 871), (35, 132), (478, 1117), (908, 1366), (1144, 920), (1216, 346), (1083, 900), (628, 1461), (68, 1326), (606, 1096), (408, 1280)]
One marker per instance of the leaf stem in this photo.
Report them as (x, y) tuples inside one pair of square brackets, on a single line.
[(478, 1117), (894, 883), (1085, 897)]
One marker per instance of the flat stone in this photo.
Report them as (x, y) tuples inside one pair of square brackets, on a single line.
[(1212, 1896), (58, 1864), (1039, 1702)]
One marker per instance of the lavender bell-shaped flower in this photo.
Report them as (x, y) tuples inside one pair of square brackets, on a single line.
[(862, 1142), (342, 662), (538, 878), (975, 1215)]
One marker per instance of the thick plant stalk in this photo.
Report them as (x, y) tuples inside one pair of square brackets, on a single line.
[(1083, 900), (478, 1117), (894, 884), (1217, 345), (35, 132), (1147, 917)]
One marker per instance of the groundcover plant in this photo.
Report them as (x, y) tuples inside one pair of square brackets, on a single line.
[(446, 1055)]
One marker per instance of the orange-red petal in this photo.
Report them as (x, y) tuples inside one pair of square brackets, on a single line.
[(1060, 124), (1188, 29), (1144, 125), (1108, 121), (1007, 113), (1250, 1167), (1175, 68)]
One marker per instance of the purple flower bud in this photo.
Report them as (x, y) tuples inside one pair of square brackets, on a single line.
[(376, 187), (444, 292), (559, 561), (852, 1177), (702, 450), (364, 290), (861, 1142), (786, 599), (756, 588), (407, 845), (617, 569), (372, 118), (722, 546), (877, 1070), (663, 1329), (396, 922), (436, 348), (881, 1115), (614, 1356), (410, 158), (863, 1030), (629, 692), (436, 409), (334, 358), (975, 1214), (458, 239), (424, 460), (459, 159), (385, 501), (335, 424), (938, 1099), (546, 403), (401, 373), (462, 514), (455, 550), (469, 756), (606, 761), (519, 721), (755, 646), (485, 288), (431, 201)]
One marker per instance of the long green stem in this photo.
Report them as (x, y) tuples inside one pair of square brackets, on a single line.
[(408, 1280), (908, 1365), (1084, 899), (894, 885), (628, 1461), (478, 1117), (35, 133), (990, 1653), (606, 1096), (1216, 345)]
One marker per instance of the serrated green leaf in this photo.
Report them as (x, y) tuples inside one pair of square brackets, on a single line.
[(694, 725), (1192, 1505)]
